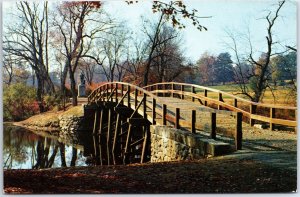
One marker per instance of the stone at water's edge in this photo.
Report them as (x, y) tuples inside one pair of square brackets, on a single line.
[(170, 144)]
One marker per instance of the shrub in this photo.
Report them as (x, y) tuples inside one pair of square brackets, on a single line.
[(51, 102), (19, 102)]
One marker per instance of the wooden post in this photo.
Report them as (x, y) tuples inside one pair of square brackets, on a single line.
[(127, 144), (100, 132), (116, 94), (153, 111), (108, 135), (128, 94), (135, 98), (272, 115), (252, 111), (145, 105), (164, 114), (193, 121), (238, 131), (193, 91), (116, 133), (95, 121), (101, 122), (205, 95), (182, 91), (164, 87), (101, 99), (177, 117), (107, 95), (220, 100), (111, 91), (213, 125), (145, 143), (122, 92), (235, 102), (172, 89)]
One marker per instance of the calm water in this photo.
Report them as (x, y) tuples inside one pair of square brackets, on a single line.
[(24, 149)]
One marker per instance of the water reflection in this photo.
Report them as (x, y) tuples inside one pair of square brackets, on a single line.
[(25, 150)]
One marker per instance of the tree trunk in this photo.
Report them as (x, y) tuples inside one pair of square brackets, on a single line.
[(73, 87), (39, 93), (62, 155), (74, 157)]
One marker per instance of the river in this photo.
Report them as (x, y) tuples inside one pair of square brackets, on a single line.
[(24, 149)]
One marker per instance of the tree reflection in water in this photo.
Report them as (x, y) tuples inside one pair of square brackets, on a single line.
[(24, 150)]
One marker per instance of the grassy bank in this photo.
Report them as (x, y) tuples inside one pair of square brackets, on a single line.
[(49, 121)]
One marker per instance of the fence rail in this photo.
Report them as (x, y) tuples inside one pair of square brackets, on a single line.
[(249, 109)]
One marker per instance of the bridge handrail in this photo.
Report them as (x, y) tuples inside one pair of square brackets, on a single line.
[(223, 93), (156, 97), (251, 115)]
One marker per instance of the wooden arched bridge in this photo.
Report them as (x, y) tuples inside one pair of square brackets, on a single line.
[(123, 113)]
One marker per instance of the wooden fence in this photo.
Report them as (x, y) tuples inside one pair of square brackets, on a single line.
[(252, 110)]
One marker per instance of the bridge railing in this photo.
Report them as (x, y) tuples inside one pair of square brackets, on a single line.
[(159, 111), (221, 100)]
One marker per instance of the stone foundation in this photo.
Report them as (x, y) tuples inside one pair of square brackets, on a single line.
[(170, 144), (69, 125)]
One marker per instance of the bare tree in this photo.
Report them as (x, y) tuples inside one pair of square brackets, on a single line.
[(28, 40), (78, 24), (259, 73), (169, 59)]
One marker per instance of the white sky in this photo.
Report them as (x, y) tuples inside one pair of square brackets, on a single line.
[(236, 15)]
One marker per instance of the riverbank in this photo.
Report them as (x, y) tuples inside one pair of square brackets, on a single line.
[(213, 175), (49, 121)]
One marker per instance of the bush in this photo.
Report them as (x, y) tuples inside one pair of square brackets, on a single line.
[(51, 102), (19, 102)]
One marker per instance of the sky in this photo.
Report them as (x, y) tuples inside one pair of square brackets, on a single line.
[(237, 16)]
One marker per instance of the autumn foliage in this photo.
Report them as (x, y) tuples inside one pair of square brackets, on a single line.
[(19, 102)]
